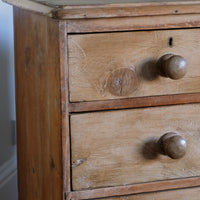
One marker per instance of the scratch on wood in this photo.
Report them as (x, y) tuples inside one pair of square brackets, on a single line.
[(84, 67), (79, 162), (79, 47)]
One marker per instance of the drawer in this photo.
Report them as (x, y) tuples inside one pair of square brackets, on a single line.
[(123, 64), (183, 194), (116, 148)]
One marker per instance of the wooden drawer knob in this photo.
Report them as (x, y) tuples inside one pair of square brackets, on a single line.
[(172, 66), (173, 145)]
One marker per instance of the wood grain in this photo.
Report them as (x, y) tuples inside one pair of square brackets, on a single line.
[(65, 107), (60, 3), (93, 58), (118, 147), (38, 106), (78, 9), (133, 23), (96, 2), (127, 10), (135, 189), (186, 194), (134, 102), (43, 107)]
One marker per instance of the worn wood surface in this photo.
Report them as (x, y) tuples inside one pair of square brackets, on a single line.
[(136, 23), (65, 107), (78, 9), (42, 102), (95, 2), (186, 194), (134, 102), (127, 10), (134, 189), (31, 6), (118, 147), (94, 58), (38, 107)]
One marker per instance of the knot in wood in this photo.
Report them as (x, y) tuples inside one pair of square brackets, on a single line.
[(123, 82)]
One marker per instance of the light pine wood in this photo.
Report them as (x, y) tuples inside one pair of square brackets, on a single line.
[(136, 23), (134, 189), (106, 146), (117, 147), (96, 2), (38, 106), (93, 58), (186, 194), (127, 10), (134, 102), (65, 108), (83, 9), (89, 2)]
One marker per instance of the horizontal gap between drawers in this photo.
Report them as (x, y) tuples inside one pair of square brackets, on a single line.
[(135, 189), (139, 102), (126, 31)]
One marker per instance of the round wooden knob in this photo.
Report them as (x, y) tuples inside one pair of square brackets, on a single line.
[(172, 66), (173, 145)]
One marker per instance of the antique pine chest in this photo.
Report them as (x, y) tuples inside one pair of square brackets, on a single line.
[(107, 95)]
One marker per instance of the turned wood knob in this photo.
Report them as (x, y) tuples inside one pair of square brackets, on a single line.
[(172, 66), (173, 145)]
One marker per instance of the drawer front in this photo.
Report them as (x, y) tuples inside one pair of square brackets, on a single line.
[(120, 65), (183, 194), (118, 147)]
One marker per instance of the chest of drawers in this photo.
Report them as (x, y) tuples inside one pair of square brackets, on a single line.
[(107, 97)]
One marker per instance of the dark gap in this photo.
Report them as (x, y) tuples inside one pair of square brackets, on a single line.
[(156, 29), (170, 41), (71, 186)]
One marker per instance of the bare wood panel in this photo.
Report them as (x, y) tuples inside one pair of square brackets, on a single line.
[(78, 2), (130, 23), (111, 148), (76, 9), (38, 106), (94, 58), (186, 194), (89, 2), (134, 189), (65, 107), (126, 10), (134, 102)]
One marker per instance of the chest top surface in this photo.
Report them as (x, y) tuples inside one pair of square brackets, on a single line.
[(76, 9), (97, 2)]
